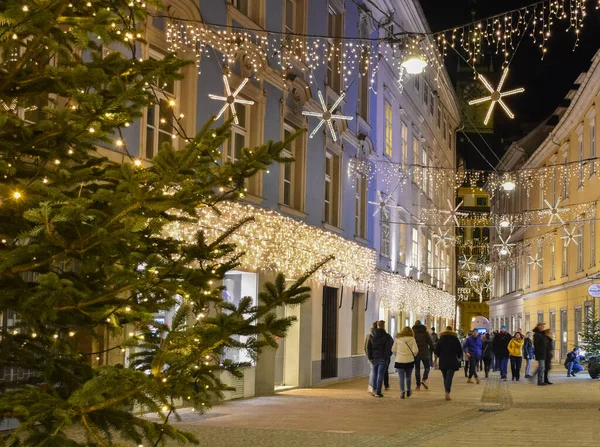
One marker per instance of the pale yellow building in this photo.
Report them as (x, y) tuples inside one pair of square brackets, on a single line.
[(551, 275)]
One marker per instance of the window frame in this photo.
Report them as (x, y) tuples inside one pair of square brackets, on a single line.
[(388, 129)]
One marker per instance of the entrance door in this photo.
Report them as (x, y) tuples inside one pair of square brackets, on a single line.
[(329, 333), (564, 327), (280, 353)]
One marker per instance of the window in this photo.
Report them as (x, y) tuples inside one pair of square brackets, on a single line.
[(404, 136), (160, 119), (402, 241), (293, 174), (288, 25), (236, 286), (424, 176), (541, 194), (527, 275), (578, 324), (363, 90), (239, 134), (332, 180), (580, 247), (415, 248), (527, 322), (565, 187), (540, 255), (481, 201), (593, 242), (580, 155), (417, 82), (388, 130), (241, 5), (385, 238), (592, 147), (432, 103), (436, 261), (360, 206), (358, 323), (565, 259), (553, 262), (554, 187), (415, 159), (444, 131), (425, 94), (429, 256), (540, 316), (250, 8), (507, 281), (439, 117), (334, 31)]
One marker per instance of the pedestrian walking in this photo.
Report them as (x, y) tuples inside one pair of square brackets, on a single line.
[(572, 362), (425, 344), (515, 349), (434, 338), (472, 349), (528, 354), (501, 341), (379, 350), (549, 355), (448, 351), (486, 353), (405, 349), (539, 349), (371, 386)]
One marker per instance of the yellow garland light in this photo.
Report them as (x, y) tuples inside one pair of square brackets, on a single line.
[(282, 244), (401, 294)]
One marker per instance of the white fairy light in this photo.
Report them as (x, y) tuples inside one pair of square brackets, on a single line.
[(452, 212), (466, 263), (496, 95), (231, 99), (537, 261), (327, 115), (554, 211), (442, 238), (383, 205), (504, 246), (571, 236)]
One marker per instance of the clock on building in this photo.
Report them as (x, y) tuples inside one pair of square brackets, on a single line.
[(474, 115)]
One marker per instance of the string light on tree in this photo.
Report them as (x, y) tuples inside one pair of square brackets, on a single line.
[(327, 115), (496, 96), (231, 99)]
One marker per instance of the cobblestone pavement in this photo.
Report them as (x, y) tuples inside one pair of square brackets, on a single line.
[(493, 413)]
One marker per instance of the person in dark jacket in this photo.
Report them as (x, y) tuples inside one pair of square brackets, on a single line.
[(425, 344), (472, 348), (539, 350), (486, 353), (449, 352), (379, 351), (549, 355), (528, 354), (434, 338), (572, 362), (500, 344)]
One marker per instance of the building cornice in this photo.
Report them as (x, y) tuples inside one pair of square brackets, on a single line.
[(557, 288), (506, 298)]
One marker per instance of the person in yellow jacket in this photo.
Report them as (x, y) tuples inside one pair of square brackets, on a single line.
[(515, 349)]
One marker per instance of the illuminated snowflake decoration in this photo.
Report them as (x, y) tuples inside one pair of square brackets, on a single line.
[(14, 105), (487, 287), (453, 212), (571, 236), (472, 279), (466, 263), (443, 238), (537, 261), (327, 115), (504, 246), (383, 205), (496, 96), (231, 99), (554, 211)]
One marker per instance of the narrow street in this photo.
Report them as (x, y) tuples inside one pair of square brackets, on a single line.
[(343, 414)]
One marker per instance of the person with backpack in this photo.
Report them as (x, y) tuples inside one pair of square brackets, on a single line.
[(449, 351), (379, 351), (528, 354), (425, 344), (486, 354), (405, 348), (539, 348)]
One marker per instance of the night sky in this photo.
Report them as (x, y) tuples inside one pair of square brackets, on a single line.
[(546, 81)]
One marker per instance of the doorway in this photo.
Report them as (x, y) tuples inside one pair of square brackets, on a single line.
[(329, 333)]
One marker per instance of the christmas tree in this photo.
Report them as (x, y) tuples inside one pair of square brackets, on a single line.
[(84, 261), (590, 336)]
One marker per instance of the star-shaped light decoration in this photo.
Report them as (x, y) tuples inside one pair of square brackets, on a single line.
[(453, 212), (13, 106), (473, 278), (537, 261), (383, 205), (231, 99), (327, 115), (570, 236), (487, 287), (442, 238), (504, 246), (466, 263), (554, 211), (495, 96)]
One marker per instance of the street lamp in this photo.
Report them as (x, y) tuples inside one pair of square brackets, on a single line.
[(414, 64), (504, 223)]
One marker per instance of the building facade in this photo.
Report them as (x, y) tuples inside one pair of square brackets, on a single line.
[(558, 256), (325, 202)]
